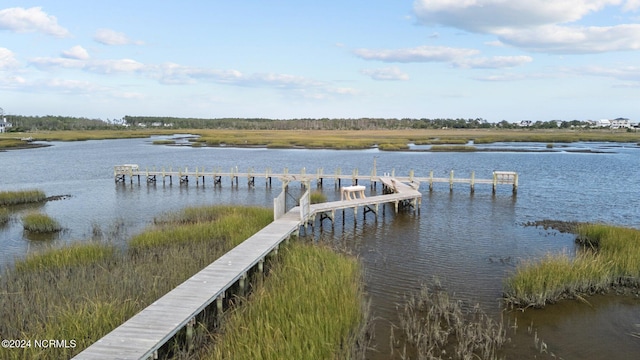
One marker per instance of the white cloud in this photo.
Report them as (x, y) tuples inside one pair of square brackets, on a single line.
[(573, 40), (492, 15), (495, 62), (112, 37), (31, 20), (536, 25), (71, 86), (417, 54), (77, 52), (631, 5), (388, 73), (7, 59)]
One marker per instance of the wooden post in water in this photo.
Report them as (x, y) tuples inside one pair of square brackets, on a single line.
[(473, 177), (451, 181), (431, 180), (515, 183)]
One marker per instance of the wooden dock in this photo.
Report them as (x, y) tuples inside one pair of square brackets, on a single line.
[(121, 172), (141, 336)]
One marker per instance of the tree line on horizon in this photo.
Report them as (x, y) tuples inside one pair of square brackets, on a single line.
[(50, 122)]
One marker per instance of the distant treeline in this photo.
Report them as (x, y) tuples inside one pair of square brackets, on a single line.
[(49, 122), (306, 124), (35, 123)]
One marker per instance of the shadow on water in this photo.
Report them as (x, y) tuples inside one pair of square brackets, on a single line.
[(604, 327)]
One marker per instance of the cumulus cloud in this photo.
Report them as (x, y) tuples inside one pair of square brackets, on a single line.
[(416, 54), (492, 15), (537, 25), (495, 62), (112, 37), (77, 52), (33, 19), (388, 73), (7, 59), (575, 40), (89, 65)]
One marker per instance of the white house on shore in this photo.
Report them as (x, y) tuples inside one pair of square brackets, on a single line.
[(4, 125), (621, 123)]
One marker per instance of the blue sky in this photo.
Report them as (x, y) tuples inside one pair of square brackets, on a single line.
[(495, 59)]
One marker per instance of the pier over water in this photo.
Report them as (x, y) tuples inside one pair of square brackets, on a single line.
[(143, 335)]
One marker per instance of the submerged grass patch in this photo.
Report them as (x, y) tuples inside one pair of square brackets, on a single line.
[(21, 197), (610, 257), (453, 148), (309, 308)]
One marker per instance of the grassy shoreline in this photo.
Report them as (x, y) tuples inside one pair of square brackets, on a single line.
[(392, 140), (82, 291), (608, 258)]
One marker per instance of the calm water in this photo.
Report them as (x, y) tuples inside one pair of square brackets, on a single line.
[(468, 242)]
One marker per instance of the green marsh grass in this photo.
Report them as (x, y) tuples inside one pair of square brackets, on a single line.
[(310, 307), (610, 257), (40, 223), (7, 143), (83, 293), (21, 197), (163, 142), (69, 256), (317, 197)]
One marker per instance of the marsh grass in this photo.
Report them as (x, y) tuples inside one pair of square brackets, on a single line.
[(21, 197), (69, 256), (317, 197), (7, 143), (40, 223), (435, 325), (84, 292), (163, 142), (464, 148), (609, 257), (4, 216), (310, 307)]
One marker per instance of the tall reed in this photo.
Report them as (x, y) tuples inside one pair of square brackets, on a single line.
[(434, 324), (309, 308)]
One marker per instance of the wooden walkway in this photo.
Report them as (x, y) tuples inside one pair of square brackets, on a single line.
[(121, 172), (141, 336)]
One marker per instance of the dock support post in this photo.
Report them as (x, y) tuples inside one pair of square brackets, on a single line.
[(473, 177), (261, 266), (515, 183), (431, 180), (242, 282), (219, 307), (495, 182), (451, 181), (190, 325)]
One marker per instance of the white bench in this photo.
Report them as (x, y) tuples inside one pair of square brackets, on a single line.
[(346, 192)]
